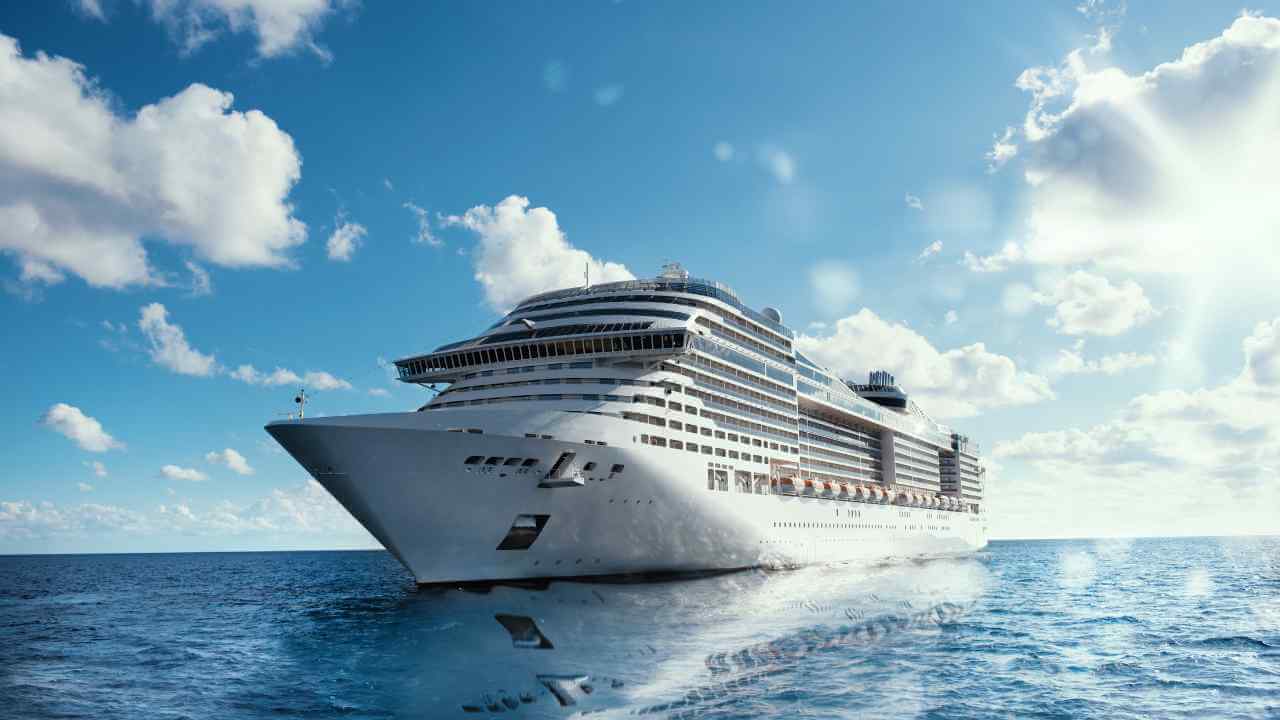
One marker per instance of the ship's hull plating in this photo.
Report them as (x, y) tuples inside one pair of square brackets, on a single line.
[(403, 476)]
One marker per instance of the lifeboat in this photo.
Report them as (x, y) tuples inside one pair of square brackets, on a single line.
[(827, 489), (787, 485), (844, 491), (808, 487), (860, 493)]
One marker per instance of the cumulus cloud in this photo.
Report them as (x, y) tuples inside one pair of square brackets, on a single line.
[(304, 510), (1202, 461), (1008, 255), (379, 392), (201, 284), (932, 249), (346, 238), (424, 235), (175, 472), (168, 344), (1002, 150), (723, 151), (951, 317), (1071, 361), (522, 252), (914, 202), (83, 430), (84, 487), (90, 8), (314, 379), (82, 185), (98, 468), (955, 383), (835, 285), (1173, 170), (232, 459), (778, 162), (280, 27), (1088, 304)]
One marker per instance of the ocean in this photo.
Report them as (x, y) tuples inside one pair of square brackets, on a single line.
[(1151, 628)]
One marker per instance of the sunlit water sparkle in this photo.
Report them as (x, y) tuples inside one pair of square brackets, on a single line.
[(1071, 629)]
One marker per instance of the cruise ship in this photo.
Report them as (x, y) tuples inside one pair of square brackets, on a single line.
[(642, 427)]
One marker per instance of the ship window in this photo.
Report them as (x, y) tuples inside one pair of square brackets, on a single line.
[(617, 468), (733, 437), (677, 445), (659, 441), (666, 341), (719, 452), (675, 424), (493, 461), (706, 431), (691, 447), (773, 446), (722, 480), (675, 405), (756, 442), (647, 342), (473, 460), (644, 439), (617, 344), (679, 340), (711, 479), (512, 461), (589, 467), (719, 434), (733, 454), (757, 458)]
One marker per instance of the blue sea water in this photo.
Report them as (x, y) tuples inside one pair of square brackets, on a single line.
[(1166, 628)]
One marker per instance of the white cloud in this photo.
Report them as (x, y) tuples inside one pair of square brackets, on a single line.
[(386, 182), (201, 284), (1088, 304), (1010, 254), (1203, 461), (1018, 299), (1071, 361), (951, 317), (522, 252), (90, 9), (1002, 150), (835, 285), (779, 162), (346, 237), (424, 226), (314, 379), (723, 151), (956, 383), (304, 510), (99, 469), (84, 185), (22, 520), (914, 202), (379, 392), (281, 26), (1170, 171), (84, 487), (232, 459), (174, 472), (83, 430), (933, 248), (169, 347), (608, 95)]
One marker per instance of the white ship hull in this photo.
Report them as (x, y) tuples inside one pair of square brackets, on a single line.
[(403, 477)]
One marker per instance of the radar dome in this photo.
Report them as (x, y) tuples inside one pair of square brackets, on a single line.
[(773, 314)]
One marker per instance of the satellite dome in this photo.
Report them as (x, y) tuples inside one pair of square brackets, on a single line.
[(773, 314)]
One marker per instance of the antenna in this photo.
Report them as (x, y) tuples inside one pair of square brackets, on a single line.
[(301, 400)]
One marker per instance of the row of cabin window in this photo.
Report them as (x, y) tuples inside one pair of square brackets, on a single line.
[(857, 433), (710, 432), (529, 462), (716, 366), (551, 381), (855, 460), (717, 400), (659, 441), (741, 339), (534, 351), (742, 481), (737, 390)]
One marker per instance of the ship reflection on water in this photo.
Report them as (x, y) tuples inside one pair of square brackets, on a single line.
[(680, 647)]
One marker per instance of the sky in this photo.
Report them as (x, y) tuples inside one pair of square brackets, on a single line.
[(1055, 222)]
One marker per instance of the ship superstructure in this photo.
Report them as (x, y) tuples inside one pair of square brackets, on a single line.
[(643, 426)]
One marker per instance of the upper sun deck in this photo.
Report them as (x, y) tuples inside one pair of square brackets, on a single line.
[(661, 284)]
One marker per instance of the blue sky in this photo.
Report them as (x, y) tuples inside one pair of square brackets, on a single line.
[(1060, 245)]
